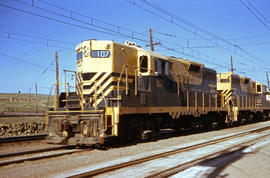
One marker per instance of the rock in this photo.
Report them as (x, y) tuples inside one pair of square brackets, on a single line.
[(23, 128)]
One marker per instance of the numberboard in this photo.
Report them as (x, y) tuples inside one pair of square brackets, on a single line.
[(100, 53)]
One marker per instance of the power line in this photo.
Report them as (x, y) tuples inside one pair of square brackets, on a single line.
[(192, 47), (37, 43), (231, 39), (117, 33), (55, 20), (92, 20), (253, 44), (45, 69), (36, 37), (23, 61), (72, 17), (248, 37), (42, 73), (258, 12), (255, 14), (173, 19)]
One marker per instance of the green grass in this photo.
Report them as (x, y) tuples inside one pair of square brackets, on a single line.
[(10, 102)]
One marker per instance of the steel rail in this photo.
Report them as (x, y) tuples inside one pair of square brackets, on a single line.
[(22, 138), (7, 155), (8, 158), (165, 154), (212, 156)]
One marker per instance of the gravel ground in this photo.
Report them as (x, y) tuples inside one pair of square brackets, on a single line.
[(24, 146), (247, 162), (45, 168), (11, 120)]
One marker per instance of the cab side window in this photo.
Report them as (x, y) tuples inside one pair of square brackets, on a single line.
[(163, 67), (259, 88), (143, 64)]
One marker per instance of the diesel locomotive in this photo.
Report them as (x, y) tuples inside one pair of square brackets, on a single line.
[(124, 91)]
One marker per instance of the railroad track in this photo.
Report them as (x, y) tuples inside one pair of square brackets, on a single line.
[(38, 154), (161, 163), (18, 157), (22, 138)]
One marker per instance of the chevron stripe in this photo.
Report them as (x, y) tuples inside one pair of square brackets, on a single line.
[(88, 76), (101, 84), (107, 90), (102, 77), (227, 96)]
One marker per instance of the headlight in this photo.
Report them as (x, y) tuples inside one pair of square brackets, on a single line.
[(85, 51)]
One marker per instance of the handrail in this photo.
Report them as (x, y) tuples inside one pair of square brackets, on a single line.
[(95, 94), (178, 80), (55, 98), (125, 68), (78, 88)]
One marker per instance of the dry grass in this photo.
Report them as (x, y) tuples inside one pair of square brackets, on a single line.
[(24, 102)]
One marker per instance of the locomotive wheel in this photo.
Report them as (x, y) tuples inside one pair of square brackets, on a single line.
[(134, 131), (155, 124), (129, 129)]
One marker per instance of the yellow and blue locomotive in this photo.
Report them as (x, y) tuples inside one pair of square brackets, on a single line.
[(124, 91)]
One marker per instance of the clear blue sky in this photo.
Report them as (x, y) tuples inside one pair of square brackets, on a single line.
[(206, 31)]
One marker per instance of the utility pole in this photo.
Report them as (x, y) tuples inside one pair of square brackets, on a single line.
[(151, 40), (268, 81), (57, 79), (36, 101), (231, 65)]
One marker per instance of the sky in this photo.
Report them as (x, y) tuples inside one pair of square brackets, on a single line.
[(205, 31)]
